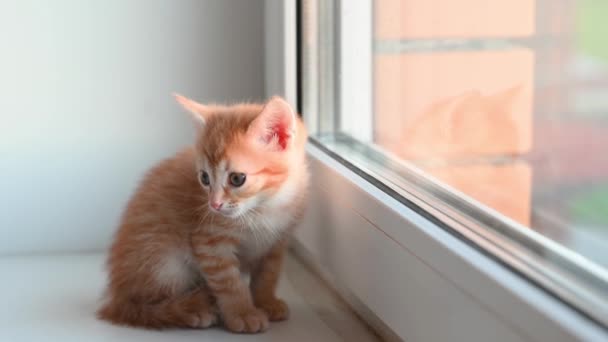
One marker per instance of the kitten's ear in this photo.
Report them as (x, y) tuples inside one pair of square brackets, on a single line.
[(199, 112), (275, 126), (507, 97)]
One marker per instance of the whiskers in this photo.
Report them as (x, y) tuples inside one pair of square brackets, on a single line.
[(204, 213), (256, 223)]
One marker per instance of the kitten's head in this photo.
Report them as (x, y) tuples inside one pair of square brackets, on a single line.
[(245, 153)]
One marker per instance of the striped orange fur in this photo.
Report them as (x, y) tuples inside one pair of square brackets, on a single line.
[(192, 228)]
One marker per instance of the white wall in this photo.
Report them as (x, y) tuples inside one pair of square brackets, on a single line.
[(85, 105), (280, 48)]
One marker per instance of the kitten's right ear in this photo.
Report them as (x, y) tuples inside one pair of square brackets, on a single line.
[(199, 112)]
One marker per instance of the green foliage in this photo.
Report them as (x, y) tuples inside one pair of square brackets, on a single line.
[(592, 207), (592, 27)]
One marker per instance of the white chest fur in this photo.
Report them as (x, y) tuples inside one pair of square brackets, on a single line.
[(261, 232)]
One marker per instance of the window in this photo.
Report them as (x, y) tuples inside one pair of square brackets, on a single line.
[(490, 117)]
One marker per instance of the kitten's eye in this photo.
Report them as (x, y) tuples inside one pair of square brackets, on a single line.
[(205, 178), (237, 179)]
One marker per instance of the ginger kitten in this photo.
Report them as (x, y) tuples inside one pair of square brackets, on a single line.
[(222, 208)]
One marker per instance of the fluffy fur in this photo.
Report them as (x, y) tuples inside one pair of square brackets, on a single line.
[(182, 246)]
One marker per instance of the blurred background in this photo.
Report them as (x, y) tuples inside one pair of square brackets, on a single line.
[(504, 101), (86, 105)]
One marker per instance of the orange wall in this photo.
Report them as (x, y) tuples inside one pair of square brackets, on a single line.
[(453, 18), (464, 109)]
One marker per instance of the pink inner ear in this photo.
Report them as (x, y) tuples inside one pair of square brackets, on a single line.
[(281, 132), (274, 126)]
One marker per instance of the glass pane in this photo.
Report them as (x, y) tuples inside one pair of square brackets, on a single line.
[(495, 113), (505, 103)]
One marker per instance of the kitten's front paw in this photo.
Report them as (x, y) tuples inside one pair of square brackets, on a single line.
[(275, 308), (247, 321), (204, 319)]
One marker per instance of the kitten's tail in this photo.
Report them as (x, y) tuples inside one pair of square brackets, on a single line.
[(190, 310)]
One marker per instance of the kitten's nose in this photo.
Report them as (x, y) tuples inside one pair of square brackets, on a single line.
[(216, 205)]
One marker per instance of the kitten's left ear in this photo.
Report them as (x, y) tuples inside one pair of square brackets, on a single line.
[(275, 126), (507, 97), (199, 112)]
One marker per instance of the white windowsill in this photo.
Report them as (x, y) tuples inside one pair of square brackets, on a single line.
[(54, 298)]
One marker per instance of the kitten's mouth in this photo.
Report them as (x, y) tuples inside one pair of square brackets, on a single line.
[(227, 212)]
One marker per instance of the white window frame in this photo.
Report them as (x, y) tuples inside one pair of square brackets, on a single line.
[(405, 275), (356, 68)]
